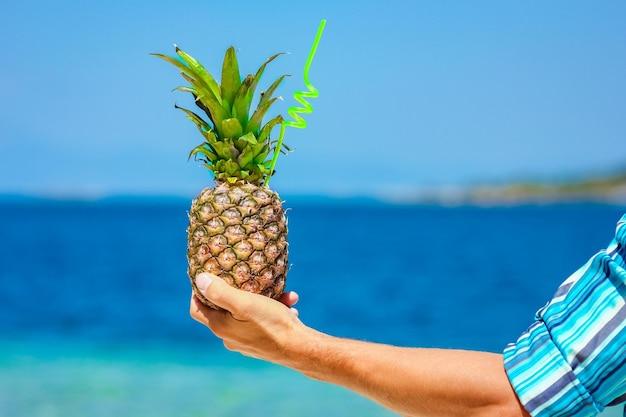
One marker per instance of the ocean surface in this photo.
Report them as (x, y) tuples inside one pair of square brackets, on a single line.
[(94, 299)]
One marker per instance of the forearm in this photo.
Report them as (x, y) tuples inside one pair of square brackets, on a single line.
[(410, 381)]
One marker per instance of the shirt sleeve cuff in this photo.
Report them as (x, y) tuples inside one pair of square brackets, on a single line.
[(543, 380)]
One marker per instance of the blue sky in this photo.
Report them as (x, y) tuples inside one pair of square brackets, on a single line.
[(412, 93)]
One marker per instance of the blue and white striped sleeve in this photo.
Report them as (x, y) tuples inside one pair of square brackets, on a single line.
[(572, 360)]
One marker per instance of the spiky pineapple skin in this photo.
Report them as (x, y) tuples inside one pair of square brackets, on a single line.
[(239, 233)]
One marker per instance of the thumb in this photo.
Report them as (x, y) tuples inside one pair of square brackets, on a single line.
[(217, 291)]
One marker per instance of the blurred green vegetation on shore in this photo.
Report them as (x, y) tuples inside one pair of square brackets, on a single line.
[(601, 189)]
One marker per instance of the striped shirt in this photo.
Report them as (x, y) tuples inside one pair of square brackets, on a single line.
[(572, 359)]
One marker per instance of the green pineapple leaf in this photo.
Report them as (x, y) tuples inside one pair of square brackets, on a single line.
[(254, 124), (207, 101), (264, 135), (212, 101), (249, 138), (225, 150), (261, 69), (231, 80), (201, 124), (241, 107), (245, 141), (198, 71), (245, 95), (202, 149), (267, 94), (260, 154), (231, 128), (230, 167), (245, 157), (260, 158)]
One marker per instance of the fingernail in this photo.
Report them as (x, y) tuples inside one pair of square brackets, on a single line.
[(203, 281)]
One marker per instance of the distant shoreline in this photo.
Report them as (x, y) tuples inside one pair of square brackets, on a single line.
[(609, 189), (600, 190)]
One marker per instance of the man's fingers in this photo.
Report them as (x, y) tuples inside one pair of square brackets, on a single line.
[(289, 298), (240, 304), (221, 294), (216, 320), (210, 286), (199, 311)]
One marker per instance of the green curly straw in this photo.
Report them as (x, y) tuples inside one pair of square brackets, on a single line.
[(300, 97)]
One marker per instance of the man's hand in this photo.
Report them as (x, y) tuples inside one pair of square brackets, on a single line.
[(251, 324)]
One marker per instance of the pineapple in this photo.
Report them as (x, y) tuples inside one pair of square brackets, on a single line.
[(237, 229)]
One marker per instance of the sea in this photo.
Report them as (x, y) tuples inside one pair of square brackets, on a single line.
[(94, 298)]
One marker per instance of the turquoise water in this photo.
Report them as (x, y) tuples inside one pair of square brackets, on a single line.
[(61, 381), (94, 300), (77, 379)]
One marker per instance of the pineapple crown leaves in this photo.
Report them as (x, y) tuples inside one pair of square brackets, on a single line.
[(236, 143)]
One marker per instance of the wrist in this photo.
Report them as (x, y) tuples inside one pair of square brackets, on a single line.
[(305, 349)]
